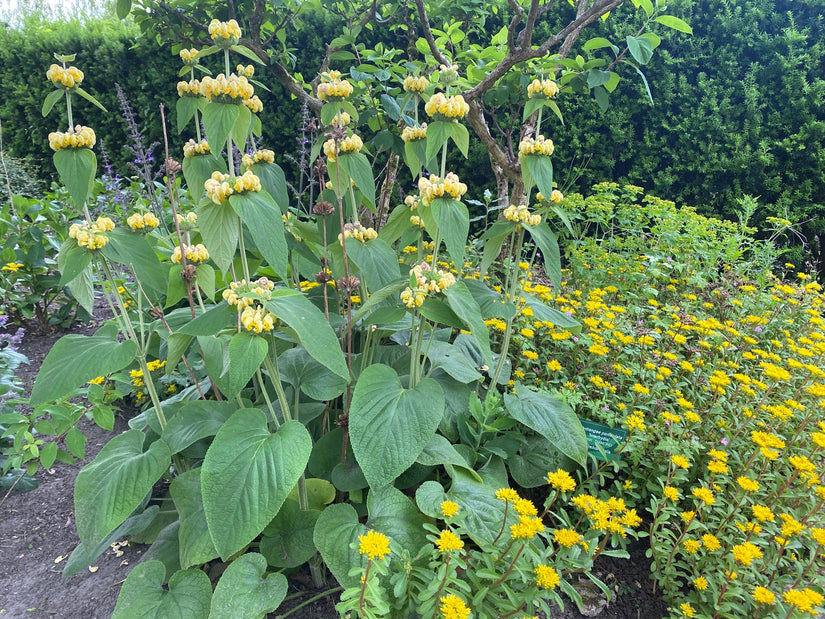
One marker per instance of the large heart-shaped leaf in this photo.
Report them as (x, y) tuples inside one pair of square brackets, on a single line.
[(198, 169), (144, 597), (463, 303), (453, 220), (263, 219), (483, 513), (396, 516), (312, 330), (76, 359), (132, 250), (358, 168), (551, 417), (247, 473), (273, 179), (218, 120), (196, 420), (549, 246), (72, 260), (288, 540), (538, 169), (196, 545), (246, 353), (376, 261), (113, 485), (77, 168), (305, 373), (186, 108), (390, 425), (245, 591), (219, 228), (336, 530)]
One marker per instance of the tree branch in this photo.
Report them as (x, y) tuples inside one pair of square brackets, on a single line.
[(568, 34), (428, 34), (511, 29), (526, 36), (475, 118)]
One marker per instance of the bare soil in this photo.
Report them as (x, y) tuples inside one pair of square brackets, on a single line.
[(37, 535)]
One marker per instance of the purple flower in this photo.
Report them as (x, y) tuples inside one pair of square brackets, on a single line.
[(757, 329), (724, 441)]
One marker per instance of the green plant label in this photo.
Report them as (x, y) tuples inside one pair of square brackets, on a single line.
[(602, 440)]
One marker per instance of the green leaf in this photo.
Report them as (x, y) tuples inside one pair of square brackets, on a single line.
[(74, 360), (90, 98), (288, 540), (597, 77), (549, 246), (551, 314), (218, 120), (198, 169), (647, 5), (273, 180), (211, 321), (72, 260), (196, 545), (438, 312), (51, 98), (186, 108), (246, 353), (130, 249), (218, 225), (143, 595), (438, 133), (240, 130), (551, 417), (77, 168), (82, 288), (176, 289), (596, 43), (452, 360), (640, 48), (397, 517), (115, 483), (246, 591), (247, 473), (263, 220), (336, 530), (303, 372), (390, 425), (453, 219), (462, 302), (377, 262), (537, 456), (671, 22), (540, 170), (530, 108), (246, 52), (483, 512), (312, 330), (206, 280), (358, 168), (83, 556), (461, 137), (196, 420)]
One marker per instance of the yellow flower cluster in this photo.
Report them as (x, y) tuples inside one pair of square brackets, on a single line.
[(561, 480), (434, 187), (68, 78), (351, 144), (333, 88), (449, 508), (246, 71), (547, 577), (193, 148), (247, 182), (217, 189), (257, 319), (412, 134), (92, 237), (341, 119), (190, 220), (374, 544), (746, 553), (254, 104), (611, 516), (195, 254), (544, 89), (448, 541), (261, 287), (224, 32), (145, 221), (12, 266), (357, 232), (416, 84), (538, 146), (192, 88), (527, 527), (189, 56), (77, 137), (232, 89), (453, 607), (424, 280), (555, 197), (263, 155), (441, 107), (521, 214)]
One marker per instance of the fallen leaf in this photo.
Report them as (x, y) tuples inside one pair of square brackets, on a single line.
[(60, 558), (124, 562), (93, 568)]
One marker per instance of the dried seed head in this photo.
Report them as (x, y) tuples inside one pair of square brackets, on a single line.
[(349, 283), (323, 208)]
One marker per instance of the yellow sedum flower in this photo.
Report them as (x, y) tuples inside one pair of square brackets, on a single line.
[(453, 607), (449, 508), (561, 480), (374, 544), (761, 595), (547, 577), (448, 541)]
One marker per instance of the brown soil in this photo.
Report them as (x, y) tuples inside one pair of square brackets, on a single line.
[(37, 534)]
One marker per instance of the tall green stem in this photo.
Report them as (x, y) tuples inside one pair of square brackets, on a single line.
[(69, 109), (512, 280), (271, 362)]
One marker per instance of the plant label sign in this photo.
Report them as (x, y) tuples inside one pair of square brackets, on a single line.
[(602, 440)]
